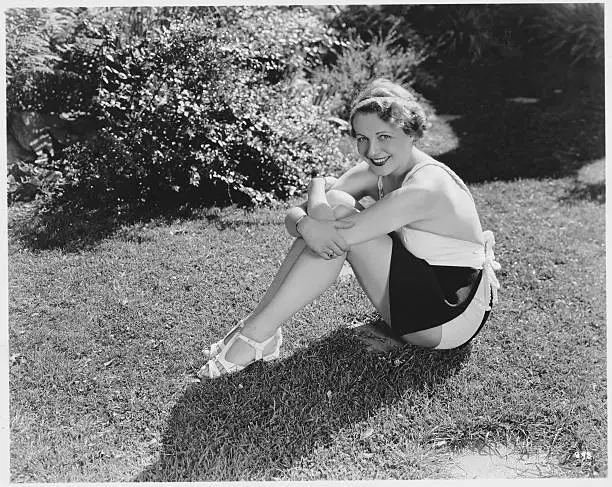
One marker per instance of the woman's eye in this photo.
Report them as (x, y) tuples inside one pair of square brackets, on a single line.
[(384, 137)]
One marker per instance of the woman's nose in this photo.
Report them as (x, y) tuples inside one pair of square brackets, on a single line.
[(372, 149)]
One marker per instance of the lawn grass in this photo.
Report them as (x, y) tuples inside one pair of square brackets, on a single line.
[(104, 343), (108, 320)]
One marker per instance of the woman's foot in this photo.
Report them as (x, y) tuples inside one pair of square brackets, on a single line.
[(240, 351), (214, 349)]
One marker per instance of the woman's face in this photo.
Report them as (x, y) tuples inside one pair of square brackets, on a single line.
[(385, 147)]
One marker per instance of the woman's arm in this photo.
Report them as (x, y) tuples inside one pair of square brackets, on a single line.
[(358, 181), (410, 203), (291, 218), (315, 206), (320, 235)]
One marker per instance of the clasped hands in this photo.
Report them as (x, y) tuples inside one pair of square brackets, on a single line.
[(320, 231)]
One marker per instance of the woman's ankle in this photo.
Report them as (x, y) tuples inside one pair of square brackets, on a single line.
[(256, 332)]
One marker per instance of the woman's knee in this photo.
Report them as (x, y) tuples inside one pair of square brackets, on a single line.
[(341, 202)]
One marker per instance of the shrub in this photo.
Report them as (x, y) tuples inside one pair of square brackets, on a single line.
[(200, 110), (451, 33), (462, 34), (200, 113), (54, 56), (371, 21), (466, 33), (359, 63), (36, 79), (26, 180), (571, 32), (283, 40)]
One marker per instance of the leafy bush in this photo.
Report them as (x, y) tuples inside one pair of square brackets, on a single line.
[(283, 40), (54, 60), (371, 21), (25, 181), (359, 63), (36, 79), (450, 33), (54, 56), (202, 112), (457, 32), (462, 34), (465, 34), (572, 32)]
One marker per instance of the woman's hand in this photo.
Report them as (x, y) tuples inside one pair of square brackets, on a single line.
[(321, 211), (322, 237)]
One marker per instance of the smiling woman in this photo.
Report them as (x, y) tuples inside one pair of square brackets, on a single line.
[(419, 251)]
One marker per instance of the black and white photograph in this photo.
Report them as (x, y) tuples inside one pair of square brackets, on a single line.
[(276, 242)]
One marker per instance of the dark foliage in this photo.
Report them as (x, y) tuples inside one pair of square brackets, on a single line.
[(570, 32), (466, 34), (202, 111)]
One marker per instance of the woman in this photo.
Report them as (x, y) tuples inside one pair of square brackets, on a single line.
[(418, 252)]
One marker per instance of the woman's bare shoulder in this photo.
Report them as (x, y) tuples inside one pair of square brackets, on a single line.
[(430, 175)]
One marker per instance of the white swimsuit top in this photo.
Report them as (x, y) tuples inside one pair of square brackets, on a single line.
[(448, 251)]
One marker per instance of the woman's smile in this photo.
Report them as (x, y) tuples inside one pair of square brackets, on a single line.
[(379, 161)]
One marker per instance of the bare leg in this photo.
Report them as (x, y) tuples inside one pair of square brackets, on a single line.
[(307, 278), (371, 263), (304, 276), (294, 252)]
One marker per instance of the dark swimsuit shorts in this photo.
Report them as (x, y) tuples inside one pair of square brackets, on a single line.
[(423, 296)]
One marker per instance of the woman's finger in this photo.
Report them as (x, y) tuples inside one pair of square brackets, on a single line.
[(329, 253), (343, 223), (339, 242), (325, 254), (336, 249)]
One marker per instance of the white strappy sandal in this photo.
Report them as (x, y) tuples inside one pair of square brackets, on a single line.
[(211, 369), (214, 349)]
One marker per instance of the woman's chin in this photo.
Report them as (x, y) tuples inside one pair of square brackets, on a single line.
[(383, 170)]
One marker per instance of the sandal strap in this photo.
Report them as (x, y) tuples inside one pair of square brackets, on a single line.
[(213, 370), (258, 346), (229, 367)]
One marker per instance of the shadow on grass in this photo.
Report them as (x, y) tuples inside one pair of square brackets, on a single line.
[(521, 120), (74, 229), (71, 230), (260, 422), (595, 192)]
